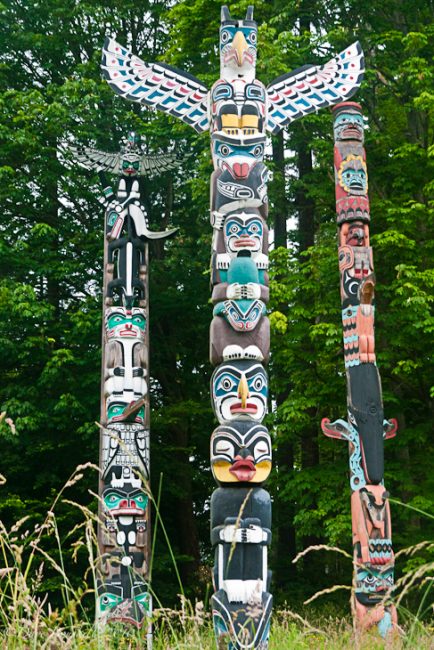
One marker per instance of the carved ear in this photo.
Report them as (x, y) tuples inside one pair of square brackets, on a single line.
[(225, 14), (249, 13)]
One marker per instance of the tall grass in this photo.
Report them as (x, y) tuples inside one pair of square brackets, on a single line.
[(29, 621)]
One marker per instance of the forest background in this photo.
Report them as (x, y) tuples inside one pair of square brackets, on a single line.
[(51, 252)]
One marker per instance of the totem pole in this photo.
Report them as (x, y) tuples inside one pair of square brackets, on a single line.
[(124, 512), (238, 111), (366, 428)]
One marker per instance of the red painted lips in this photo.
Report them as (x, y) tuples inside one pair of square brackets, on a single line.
[(249, 408), (243, 468)]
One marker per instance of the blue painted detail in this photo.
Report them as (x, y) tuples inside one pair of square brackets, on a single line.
[(385, 624)]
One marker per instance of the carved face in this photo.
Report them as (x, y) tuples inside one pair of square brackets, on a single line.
[(241, 452), (356, 234), (237, 155), (374, 581), (130, 165), (125, 323), (114, 603), (122, 409), (352, 175), (348, 125), (243, 232), (238, 39), (239, 391), (123, 502)]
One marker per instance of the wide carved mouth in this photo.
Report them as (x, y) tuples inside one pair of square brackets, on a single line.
[(243, 469), (120, 512), (250, 407), (241, 243)]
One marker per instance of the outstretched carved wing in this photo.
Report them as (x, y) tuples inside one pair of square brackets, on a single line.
[(310, 88), (95, 160), (100, 161), (155, 84)]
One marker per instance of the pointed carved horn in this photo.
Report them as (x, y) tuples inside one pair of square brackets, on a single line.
[(249, 13), (225, 14)]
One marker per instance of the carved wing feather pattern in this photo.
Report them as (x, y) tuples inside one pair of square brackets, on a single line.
[(95, 160), (99, 161), (158, 164), (156, 85), (310, 88)]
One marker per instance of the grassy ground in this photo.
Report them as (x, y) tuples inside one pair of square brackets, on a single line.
[(28, 622), (286, 634)]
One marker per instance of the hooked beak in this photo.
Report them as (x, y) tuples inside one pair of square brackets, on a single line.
[(240, 45)]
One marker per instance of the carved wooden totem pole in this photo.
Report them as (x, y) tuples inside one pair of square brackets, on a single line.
[(124, 535), (366, 427), (238, 110)]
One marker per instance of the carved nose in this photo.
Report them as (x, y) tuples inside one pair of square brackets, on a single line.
[(243, 391), (244, 454), (123, 503)]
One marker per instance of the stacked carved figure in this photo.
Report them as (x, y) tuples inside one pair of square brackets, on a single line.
[(238, 110), (366, 427), (124, 513)]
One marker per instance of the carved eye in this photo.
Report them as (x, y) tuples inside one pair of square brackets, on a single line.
[(227, 383), (254, 228), (258, 151), (224, 447), (224, 36), (234, 229), (224, 150), (261, 449), (258, 383), (252, 38)]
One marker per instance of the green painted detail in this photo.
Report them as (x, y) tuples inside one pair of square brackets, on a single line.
[(145, 600), (117, 319), (109, 601), (112, 218)]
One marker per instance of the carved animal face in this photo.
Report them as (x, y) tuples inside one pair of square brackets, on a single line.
[(356, 234), (237, 155), (238, 39), (125, 323), (241, 452), (239, 391)]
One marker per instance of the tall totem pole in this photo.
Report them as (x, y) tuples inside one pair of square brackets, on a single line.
[(124, 512), (238, 110), (366, 427)]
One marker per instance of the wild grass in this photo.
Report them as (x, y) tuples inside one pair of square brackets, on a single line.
[(29, 621)]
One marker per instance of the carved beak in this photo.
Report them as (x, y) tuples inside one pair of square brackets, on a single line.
[(240, 45), (243, 391)]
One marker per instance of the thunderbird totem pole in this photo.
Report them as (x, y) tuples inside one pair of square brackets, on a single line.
[(366, 428), (238, 110), (124, 535)]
